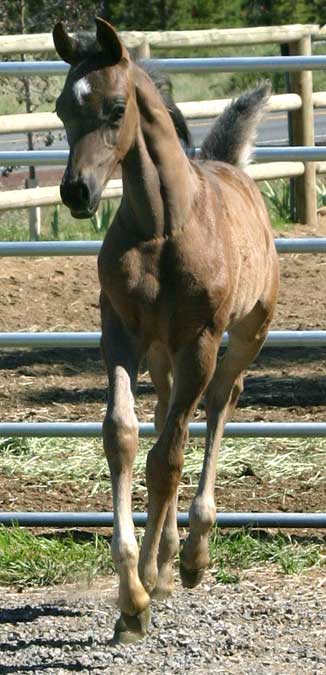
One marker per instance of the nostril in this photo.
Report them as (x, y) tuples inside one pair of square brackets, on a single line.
[(75, 193), (82, 193)]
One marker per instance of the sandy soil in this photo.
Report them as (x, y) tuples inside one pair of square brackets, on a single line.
[(267, 623)]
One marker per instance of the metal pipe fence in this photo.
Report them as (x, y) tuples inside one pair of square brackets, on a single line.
[(261, 154), (68, 519), (85, 248), (234, 430), (180, 65), (147, 429), (78, 339)]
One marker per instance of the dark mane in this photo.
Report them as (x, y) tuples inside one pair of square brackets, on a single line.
[(164, 85)]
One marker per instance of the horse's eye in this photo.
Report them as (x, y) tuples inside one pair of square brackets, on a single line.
[(117, 112)]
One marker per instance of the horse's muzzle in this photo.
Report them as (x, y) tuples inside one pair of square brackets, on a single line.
[(80, 197)]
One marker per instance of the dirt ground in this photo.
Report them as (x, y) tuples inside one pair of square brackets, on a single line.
[(58, 294), (263, 626), (266, 624)]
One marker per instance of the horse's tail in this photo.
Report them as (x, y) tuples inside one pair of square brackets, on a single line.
[(233, 134)]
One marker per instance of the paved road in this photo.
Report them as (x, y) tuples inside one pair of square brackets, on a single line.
[(273, 131)]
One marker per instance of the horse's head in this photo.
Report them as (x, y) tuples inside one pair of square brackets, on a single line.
[(98, 109)]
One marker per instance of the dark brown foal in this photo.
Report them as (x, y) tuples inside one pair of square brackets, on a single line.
[(189, 255)]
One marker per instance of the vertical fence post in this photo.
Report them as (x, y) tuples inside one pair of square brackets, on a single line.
[(143, 51), (285, 52), (34, 214), (303, 134)]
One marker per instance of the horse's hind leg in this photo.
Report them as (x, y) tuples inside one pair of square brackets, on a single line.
[(193, 368), (245, 342), (160, 370)]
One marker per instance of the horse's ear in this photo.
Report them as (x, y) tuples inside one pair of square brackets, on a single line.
[(65, 45), (109, 41)]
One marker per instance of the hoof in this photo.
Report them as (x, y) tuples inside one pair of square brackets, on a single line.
[(191, 578), (131, 628)]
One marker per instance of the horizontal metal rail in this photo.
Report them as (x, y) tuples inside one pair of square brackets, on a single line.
[(33, 157), (304, 245), (147, 430), (60, 157), (49, 248), (180, 65), (106, 519), (276, 338), (82, 248), (290, 154)]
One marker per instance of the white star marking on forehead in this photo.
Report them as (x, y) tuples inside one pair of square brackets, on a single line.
[(81, 88)]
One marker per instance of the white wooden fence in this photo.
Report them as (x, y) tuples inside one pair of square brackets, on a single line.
[(145, 40), (300, 104)]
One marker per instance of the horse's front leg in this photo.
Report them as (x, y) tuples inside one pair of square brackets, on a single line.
[(120, 437), (193, 368)]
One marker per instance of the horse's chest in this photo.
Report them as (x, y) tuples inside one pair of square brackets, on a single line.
[(133, 284), (139, 277)]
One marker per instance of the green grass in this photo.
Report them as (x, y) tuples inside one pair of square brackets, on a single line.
[(14, 224), (27, 559), (205, 86), (234, 552)]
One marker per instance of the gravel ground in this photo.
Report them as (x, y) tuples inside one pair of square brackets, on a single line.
[(267, 624)]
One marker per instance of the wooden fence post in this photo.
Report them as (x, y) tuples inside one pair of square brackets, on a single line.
[(143, 51), (303, 134), (34, 214)]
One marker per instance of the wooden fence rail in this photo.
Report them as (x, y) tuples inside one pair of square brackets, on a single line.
[(143, 41), (46, 121), (46, 196), (299, 103)]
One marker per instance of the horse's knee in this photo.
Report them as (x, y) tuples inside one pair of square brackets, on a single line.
[(202, 514), (120, 437), (124, 551), (170, 542)]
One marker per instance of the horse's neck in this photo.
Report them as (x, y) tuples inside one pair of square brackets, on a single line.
[(158, 180)]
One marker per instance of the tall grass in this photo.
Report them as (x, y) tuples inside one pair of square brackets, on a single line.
[(57, 224), (237, 551), (27, 559)]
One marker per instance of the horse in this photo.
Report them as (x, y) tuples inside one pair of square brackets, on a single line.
[(189, 255)]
